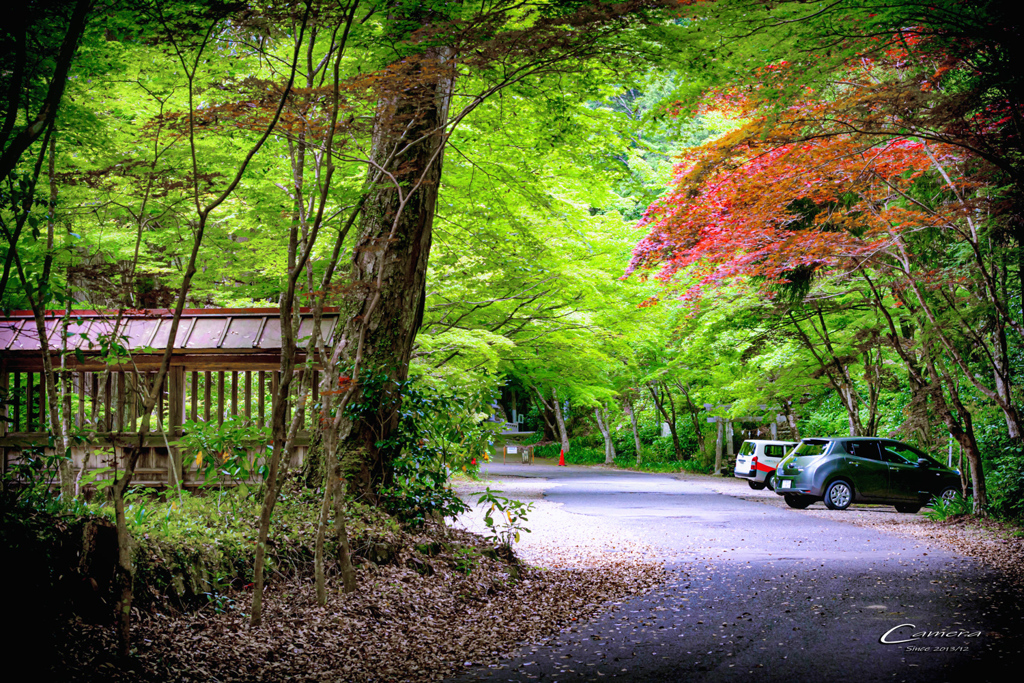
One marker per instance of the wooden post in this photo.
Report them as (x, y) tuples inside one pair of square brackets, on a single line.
[(30, 419), (263, 397), (292, 387), (44, 420), (17, 401), (220, 397), (160, 403), (66, 381), (80, 393), (94, 386), (719, 443), (176, 400), (138, 386), (275, 380), (248, 398), (234, 393), (122, 402), (176, 410), (5, 384), (206, 396), (195, 396), (108, 417), (131, 382)]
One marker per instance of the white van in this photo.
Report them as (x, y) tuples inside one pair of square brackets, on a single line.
[(757, 460)]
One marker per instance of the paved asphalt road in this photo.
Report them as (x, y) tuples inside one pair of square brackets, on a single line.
[(761, 593)]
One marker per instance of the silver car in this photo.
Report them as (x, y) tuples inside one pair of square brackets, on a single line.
[(757, 460)]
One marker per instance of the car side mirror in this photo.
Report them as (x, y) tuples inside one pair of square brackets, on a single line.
[(923, 462)]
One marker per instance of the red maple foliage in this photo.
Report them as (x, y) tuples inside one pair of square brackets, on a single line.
[(746, 206)]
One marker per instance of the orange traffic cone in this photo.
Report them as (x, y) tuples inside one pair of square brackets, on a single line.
[(561, 458)]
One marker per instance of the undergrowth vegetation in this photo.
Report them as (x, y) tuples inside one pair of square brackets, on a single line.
[(942, 510), (658, 453)]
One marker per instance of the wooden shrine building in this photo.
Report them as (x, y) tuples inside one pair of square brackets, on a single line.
[(225, 366)]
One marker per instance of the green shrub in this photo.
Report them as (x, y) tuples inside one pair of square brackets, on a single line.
[(1006, 485), (533, 438), (591, 440), (661, 450), (511, 515), (420, 488), (658, 455), (941, 510), (228, 450), (1003, 462), (437, 434), (582, 455), (625, 445), (547, 451)]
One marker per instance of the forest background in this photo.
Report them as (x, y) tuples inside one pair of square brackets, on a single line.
[(635, 214)]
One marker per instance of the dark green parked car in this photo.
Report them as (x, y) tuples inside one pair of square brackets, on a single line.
[(863, 470)]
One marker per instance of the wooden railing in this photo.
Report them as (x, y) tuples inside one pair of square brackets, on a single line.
[(104, 407)]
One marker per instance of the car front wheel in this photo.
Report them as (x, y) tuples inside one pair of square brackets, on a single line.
[(769, 481), (838, 495), (797, 502)]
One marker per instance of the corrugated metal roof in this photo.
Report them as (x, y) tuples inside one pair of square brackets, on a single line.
[(200, 331)]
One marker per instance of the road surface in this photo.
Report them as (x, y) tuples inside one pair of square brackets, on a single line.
[(758, 592)]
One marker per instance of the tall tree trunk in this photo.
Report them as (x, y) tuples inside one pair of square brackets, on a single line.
[(605, 427), (873, 376), (124, 572), (628, 407), (344, 550), (334, 494), (953, 350), (670, 418), (560, 420), (960, 425), (694, 412), (40, 123), (319, 575), (719, 443), (389, 264), (835, 369), (931, 381), (549, 418), (1001, 374), (787, 410), (553, 409)]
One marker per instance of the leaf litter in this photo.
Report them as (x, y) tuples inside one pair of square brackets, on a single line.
[(421, 618)]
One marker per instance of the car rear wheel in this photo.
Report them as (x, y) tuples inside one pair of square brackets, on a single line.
[(838, 495), (756, 485), (907, 507), (797, 502), (948, 494), (769, 481)]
